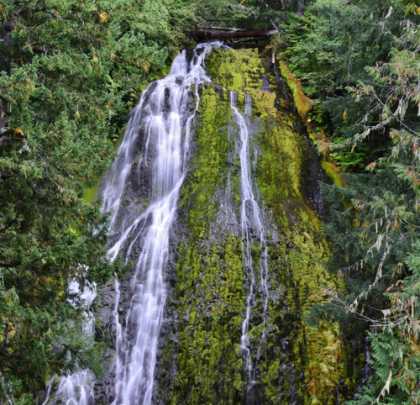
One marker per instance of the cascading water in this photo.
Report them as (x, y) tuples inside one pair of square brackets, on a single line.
[(252, 228), (77, 388), (155, 150)]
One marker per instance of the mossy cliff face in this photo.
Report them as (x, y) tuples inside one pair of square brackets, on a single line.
[(208, 297), (201, 361), (304, 106)]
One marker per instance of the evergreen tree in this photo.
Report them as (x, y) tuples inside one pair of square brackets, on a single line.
[(365, 77)]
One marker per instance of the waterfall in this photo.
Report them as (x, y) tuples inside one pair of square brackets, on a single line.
[(154, 153), (77, 388), (252, 228), (74, 389)]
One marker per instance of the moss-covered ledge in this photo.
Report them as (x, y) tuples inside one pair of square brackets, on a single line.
[(304, 107)]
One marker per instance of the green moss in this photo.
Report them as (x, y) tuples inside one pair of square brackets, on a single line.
[(209, 292), (304, 255), (333, 172), (209, 167), (303, 103), (90, 194), (296, 360), (211, 301), (241, 71)]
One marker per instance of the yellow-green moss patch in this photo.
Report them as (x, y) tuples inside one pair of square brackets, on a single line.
[(302, 102)]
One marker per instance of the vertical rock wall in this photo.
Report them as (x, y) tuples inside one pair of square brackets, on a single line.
[(200, 360)]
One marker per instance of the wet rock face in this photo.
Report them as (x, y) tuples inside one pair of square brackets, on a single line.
[(104, 387), (200, 359), (312, 174)]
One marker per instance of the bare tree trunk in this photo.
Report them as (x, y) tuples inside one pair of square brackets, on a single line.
[(301, 6)]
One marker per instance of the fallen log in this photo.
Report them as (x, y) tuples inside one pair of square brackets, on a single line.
[(230, 33)]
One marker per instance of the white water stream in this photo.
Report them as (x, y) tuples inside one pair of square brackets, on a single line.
[(165, 113), (252, 228)]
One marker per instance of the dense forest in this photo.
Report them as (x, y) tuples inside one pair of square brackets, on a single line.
[(70, 73)]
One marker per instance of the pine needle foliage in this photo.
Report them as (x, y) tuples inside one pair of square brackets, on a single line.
[(366, 77)]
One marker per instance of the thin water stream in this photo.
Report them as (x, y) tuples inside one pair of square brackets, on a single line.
[(253, 232)]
